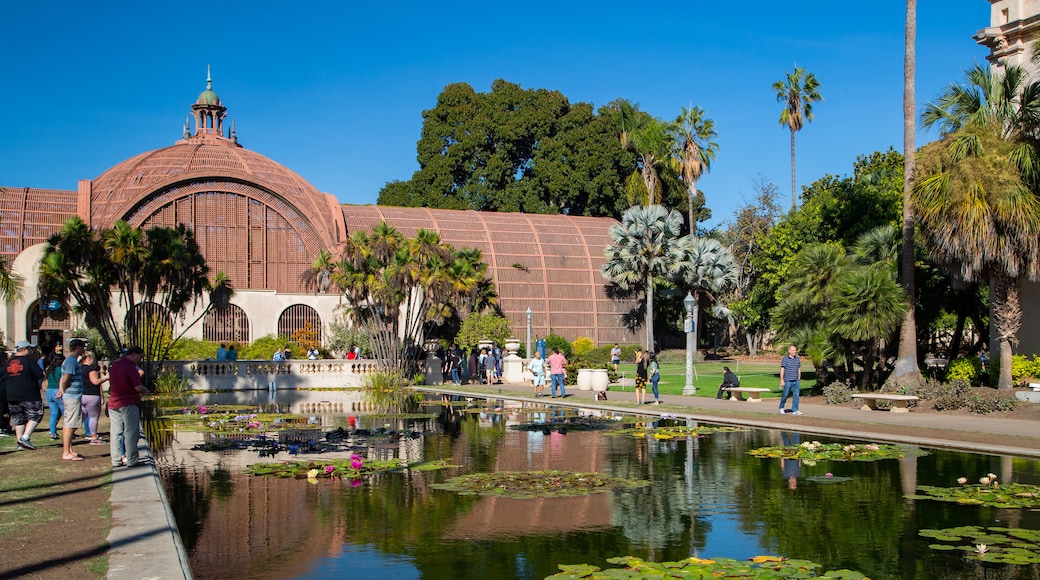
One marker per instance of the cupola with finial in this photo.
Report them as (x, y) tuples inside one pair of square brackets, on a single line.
[(208, 112)]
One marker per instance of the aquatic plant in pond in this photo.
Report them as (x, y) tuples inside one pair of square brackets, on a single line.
[(993, 544), (676, 431), (537, 484), (811, 451), (352, 468), (759, 567), (988, 492)]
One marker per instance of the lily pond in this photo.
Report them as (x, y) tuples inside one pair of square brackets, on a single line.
[(315, 487)]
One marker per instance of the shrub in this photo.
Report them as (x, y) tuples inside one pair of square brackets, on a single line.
[(1023, 368), (582, 345), (193, 349), (967, 368), (677, 356), (170, 384), (985, 401), (263, 348), (837, 393), (556, 341), (478, 327)]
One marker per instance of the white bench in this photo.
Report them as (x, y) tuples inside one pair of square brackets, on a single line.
[(898, 403), (754, 394)]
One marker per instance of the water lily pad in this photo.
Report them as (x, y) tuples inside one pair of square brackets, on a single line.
[(996, 544), (677, 432), (1008, 496), (340, 468), (816, 451), (760, 567), (824, 479), (532, 484)]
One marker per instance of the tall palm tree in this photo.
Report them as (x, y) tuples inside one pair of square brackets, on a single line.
[(641, 249), (695, 150), (798, 93), (705, 267), (906, 369), (653, 143), (319, 275), (976, 198)]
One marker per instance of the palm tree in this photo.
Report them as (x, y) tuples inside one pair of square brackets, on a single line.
[(653, 144), (319, 275), (976, 199), (906, 369), (798, 93), (705, 267), (692, 134), (641, 249)]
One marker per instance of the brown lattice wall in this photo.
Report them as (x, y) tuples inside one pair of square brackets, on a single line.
[(28, 216), (297, 317), (228, 325)]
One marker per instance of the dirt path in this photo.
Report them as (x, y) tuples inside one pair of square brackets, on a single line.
[(54, 514)]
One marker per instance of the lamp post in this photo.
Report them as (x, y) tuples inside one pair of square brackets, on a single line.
[(528, 351), (689, 302)]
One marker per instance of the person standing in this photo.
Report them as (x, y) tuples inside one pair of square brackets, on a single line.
[(70, 391), (24, 387), (222, 352), (558, 370), (790, 379), (54, 404), (537, 367), (641, 376), (92, 395), (124, 407), (496, 352), (615, 356), (654, 370), (454, 366)]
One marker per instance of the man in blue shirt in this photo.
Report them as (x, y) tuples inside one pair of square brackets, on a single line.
[(70, 390), (790, 379)]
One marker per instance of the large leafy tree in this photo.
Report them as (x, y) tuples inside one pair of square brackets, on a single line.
[(797, 92), (644, 246), (163, 266), (397, 287), (692, 134), (906, 363), (515, 149), (976, 194)]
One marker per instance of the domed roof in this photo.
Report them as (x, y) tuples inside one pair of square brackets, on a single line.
[(221, 164), (207, 97)]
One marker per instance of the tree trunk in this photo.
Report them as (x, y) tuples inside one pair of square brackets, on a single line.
[(691, 194), (906, 370), (1006, 320), (649, 312), (793, 196)]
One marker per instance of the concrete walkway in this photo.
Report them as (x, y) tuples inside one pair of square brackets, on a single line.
[(144, 542)]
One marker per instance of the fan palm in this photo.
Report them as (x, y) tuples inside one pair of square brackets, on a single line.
[(798, 93), (642, 248), (976, 195), (703, 266)]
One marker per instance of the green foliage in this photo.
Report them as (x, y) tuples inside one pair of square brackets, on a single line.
[(1024, 369), (343, 335), (680, 432), (582, 345), (263, 348), (93, 338), (967, 368), (678, 356), (483, 326), (515, 149), (556, 341), (958, 394), (601, 354), (994, 544), (837, 393), (759, 567), (193, 349), (815, 451), (169, 383), (537, 484), (987, 492)]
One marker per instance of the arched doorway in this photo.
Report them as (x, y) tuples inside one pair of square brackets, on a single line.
[(49, 321), (228, 325), (301, 323)]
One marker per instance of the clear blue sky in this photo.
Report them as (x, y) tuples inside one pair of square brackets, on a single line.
[(336, 91)]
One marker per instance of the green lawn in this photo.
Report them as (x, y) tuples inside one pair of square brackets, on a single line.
[(708, 377)]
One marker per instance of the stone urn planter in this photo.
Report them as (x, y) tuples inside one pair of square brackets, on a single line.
[(585, 379), (485, 343), (600, 380), (513, 345)]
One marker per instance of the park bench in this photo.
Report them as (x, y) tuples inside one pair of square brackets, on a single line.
[(897, 403), (753, 393)]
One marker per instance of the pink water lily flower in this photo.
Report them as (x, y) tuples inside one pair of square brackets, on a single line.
[(829, 475), (962, 480), (329, 469)]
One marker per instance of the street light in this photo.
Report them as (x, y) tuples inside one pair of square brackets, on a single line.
[(528, 351), (689, 302)]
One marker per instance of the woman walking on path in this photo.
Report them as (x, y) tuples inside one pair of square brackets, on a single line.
[(92, 395), (654, 370), (641, 364)]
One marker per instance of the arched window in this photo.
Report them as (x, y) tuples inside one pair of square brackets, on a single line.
[(143, 319), (300, 319), (228, 325), (50, 315)]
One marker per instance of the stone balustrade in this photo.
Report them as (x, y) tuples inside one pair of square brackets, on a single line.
[(264, 374)]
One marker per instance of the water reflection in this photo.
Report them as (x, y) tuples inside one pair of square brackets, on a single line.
[(707, 497)]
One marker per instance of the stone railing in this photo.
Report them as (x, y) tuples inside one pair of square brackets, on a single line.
[(262, 374)]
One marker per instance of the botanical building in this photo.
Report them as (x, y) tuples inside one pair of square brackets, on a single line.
[(262, 225)]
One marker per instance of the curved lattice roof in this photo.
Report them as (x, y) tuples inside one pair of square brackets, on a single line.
[(548, 263), (207, 158)]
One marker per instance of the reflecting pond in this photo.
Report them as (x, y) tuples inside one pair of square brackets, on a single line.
[(707, 497)]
